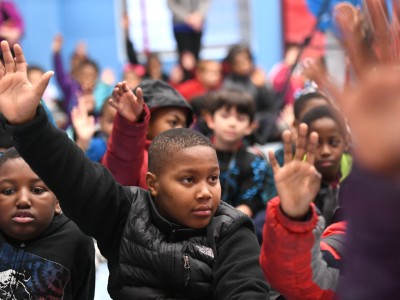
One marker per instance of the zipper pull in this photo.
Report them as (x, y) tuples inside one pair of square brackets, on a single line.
[(172, 235), (186, 265)]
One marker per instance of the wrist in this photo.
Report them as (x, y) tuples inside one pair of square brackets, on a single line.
[(297, 214)]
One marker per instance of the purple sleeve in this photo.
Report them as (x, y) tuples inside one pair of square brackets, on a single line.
[(372, 266), (67, 85)]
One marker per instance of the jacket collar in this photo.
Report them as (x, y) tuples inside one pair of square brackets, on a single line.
[(172, 230)]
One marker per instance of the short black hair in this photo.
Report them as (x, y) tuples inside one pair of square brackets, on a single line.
[(242, 101), (169, 142), (10, 153), (325, 111), (303, 99)]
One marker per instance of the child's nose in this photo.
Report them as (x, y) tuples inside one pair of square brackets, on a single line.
[(23, 200), (204, 192), (326, 150)]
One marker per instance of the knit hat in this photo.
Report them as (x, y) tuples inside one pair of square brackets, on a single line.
[(159, 94)]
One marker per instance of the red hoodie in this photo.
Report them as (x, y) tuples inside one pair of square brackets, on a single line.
[(130, 152)]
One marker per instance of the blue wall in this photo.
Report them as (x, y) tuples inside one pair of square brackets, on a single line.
[(95, 22)]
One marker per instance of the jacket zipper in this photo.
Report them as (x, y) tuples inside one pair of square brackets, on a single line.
[(186, 265)]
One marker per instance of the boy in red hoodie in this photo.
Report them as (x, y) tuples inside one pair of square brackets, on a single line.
[(152, 108)]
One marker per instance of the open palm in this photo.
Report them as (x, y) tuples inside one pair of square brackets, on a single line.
[(18, 97), (297, 181), (128, 105)]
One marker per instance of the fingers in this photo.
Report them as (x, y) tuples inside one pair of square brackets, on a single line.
[(40, 87), (139, 96), (8, 59), (20, 61), (273, 162), (312, 147), (287, 147), (377, 16), (301, 142)]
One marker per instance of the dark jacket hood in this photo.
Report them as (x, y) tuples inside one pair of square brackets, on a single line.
[(159, 94)]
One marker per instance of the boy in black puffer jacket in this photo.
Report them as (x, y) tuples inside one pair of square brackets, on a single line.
[(175, 241)]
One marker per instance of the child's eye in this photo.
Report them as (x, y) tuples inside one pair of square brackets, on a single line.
[(214, 178), (242, 118), (173, 123), (8, 191), (335, 142), (187, 180), (38, 190)]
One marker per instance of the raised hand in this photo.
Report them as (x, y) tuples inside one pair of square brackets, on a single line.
[(18, 97), (297, 181), (84, 125), (128, 105), (371, 101)]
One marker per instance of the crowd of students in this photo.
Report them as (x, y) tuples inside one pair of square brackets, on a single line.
[(167, 179)]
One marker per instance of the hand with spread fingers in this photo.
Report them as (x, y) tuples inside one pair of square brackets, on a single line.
[(128, 105), (18, 97), (297, 181), (84, 124), (371, 100)]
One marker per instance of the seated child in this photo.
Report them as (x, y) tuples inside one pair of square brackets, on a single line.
[(303, 104), (331, 161), (43, 254), (243, 170), (295, 259), (208, 77), (155, 107), (176, 240)]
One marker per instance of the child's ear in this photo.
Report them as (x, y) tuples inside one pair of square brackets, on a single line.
[(252, 126), (58, 207), (152, 183), (209, 120), (348, 142)]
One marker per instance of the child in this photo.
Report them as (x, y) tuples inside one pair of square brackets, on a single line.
[(43, 254), (155, 108), (304, 102), (91, 137), (174, 241), (85, 82), (207, 78), (295, 261), (331, 161), (243, 171)]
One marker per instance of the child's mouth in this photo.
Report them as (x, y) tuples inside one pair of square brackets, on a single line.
[(23, 217)]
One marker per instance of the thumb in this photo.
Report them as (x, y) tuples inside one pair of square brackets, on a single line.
[(40, 87)]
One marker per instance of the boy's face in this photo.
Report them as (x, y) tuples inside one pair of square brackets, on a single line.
[(187, 190), (242, 64), (331, 145), (164, 119), (107, 120), (211, 74), (87, 77), (229, 126), (27, 206)]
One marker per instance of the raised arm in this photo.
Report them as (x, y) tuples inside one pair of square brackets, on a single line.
[(291, 256), (125, 156), (87, 192)]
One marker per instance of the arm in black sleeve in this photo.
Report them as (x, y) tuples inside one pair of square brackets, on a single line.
[(237, 271)]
